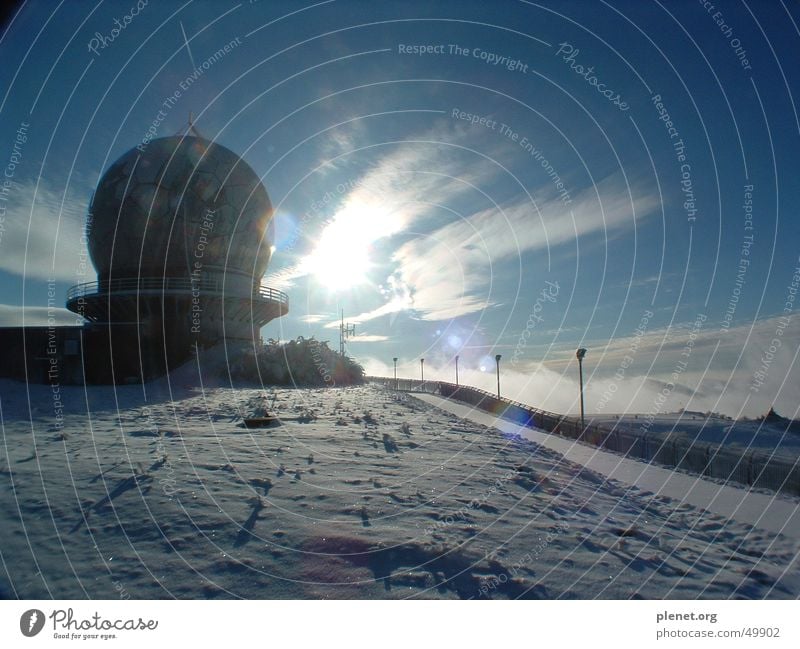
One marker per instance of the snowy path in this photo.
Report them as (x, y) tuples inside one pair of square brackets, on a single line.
[(765, 511)]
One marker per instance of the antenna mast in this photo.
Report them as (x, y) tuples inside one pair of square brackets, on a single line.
[(190, 129), (345, 331)]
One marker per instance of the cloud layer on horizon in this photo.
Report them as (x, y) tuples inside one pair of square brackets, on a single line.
[(626, 376), (36, 316)]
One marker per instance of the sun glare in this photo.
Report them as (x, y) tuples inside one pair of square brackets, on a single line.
[(342, 256)]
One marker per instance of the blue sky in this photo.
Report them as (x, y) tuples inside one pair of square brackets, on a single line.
[(436, 166)]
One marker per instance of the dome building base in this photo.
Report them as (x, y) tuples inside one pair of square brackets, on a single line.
[(180, 236)]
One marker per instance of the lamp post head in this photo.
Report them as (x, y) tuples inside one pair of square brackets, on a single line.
[(395, 359), (421, 360), (498, 357), (580, 353)]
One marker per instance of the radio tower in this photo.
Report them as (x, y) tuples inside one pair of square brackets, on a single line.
[(345, 331)]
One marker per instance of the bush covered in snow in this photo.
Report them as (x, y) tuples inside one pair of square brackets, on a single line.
[(304, 362)]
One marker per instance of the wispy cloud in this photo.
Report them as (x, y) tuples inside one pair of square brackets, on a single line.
[(449, 271), (368, 338), (312, 318), (284, 278), (398, 297), (406, 182), (42, 231), (445, 271)]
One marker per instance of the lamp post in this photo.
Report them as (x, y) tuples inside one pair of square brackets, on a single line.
[(497, 360), (579, 355), (422, 372), (395, 372), (456, 371)]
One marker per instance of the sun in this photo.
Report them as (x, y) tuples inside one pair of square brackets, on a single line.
[(341, 259)]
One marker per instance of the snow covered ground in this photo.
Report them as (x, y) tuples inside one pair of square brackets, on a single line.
[(358, 493), (762, 508)]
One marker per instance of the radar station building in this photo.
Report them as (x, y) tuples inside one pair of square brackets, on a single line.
[(180, 234)]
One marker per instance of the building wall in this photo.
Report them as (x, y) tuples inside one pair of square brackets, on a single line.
[(96, 354)]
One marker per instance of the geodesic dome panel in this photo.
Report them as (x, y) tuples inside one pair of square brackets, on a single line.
[(182, 201)]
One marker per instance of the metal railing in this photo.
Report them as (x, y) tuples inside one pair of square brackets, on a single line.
[(757, 468), (166, 285)]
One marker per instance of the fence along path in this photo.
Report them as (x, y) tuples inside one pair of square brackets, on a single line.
[(758, 469)]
